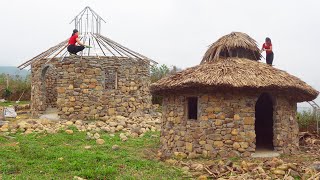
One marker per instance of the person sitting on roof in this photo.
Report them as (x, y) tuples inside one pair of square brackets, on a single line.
[(73, 49), (267, 46)]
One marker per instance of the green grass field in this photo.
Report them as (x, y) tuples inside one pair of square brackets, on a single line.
[(63, 156), (11, 103)]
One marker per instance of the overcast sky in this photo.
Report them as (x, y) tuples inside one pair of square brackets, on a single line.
[(172, 32)]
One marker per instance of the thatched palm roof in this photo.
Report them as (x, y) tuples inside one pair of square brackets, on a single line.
[(236, 73), (235, 44)]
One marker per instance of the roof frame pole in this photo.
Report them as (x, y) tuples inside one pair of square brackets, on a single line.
[(89, 45), (92, 27), (114, 48), (99, 26), (98, 44), (99, 40), (87, 20)]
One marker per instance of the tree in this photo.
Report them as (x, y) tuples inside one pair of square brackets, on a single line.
[(158, 72)]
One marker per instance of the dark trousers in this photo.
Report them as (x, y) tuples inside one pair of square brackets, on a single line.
[(269, 58), (73, 49)]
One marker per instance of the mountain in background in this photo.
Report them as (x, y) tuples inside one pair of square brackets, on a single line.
[(12, 70)]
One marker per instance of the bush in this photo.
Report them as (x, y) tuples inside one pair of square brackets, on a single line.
[(18, 86), (307, 121)]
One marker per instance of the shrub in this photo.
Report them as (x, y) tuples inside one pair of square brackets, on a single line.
[(307, 121)]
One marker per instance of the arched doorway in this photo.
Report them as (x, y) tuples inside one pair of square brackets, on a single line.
[(49, 87), (264, 122)]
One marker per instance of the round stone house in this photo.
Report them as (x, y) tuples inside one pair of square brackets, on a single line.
[(105, 79), (230, 104)]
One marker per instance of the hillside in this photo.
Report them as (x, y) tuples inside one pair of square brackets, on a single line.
[(12, 70)]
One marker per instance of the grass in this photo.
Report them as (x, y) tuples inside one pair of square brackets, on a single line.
[(12, 103), (63, 156)]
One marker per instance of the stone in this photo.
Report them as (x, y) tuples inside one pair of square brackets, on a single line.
[(123, 137), (248, 121), (78, 178), (218, 122), (61, 90), (316, 166), (204, 118), (221, 116), (208, 147), (113, 124), (119, 127), (111, 111), (202, 177), (3, 129), (279, 172), (115, 147), (236, 117), (72, 99), (218, 143), (87, 147), (69, 123), (189, 147), (69, 131), (180, 155), (217, 109), (244, 145), (283, 167), (192, 155), (236, 145), (28, 131), (171, 162), (100, 141), (234, 132), (96, 136)]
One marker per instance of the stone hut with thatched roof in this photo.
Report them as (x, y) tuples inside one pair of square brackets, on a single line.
[(230, 104), (107, 79)]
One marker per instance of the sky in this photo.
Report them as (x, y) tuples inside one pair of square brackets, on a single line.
[(171, 32)]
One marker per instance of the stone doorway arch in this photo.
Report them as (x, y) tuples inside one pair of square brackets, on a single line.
[(264, 121), (49, 87)]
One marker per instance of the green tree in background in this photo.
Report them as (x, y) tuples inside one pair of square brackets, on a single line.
[(159, 72)]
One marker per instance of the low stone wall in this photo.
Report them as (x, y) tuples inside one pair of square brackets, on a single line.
[(225, 125), (92, 87)]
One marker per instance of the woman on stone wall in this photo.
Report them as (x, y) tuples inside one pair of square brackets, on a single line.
[(75, 45)]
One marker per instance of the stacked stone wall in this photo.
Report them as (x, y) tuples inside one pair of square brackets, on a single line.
[(85, 90), (225, 125), (51, 87)]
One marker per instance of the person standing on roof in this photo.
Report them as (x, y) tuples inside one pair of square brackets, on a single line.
[(267, 46), (74, 45)]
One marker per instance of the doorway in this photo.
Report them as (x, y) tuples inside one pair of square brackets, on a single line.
[(49, 87), (264, 122)]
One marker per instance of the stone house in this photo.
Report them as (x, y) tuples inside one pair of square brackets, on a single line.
[(105, 80), (230, 104)]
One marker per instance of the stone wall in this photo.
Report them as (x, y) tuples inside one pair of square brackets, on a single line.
[(286, 128), (50, 79), (92, 87), (43, 87), (225, 125)]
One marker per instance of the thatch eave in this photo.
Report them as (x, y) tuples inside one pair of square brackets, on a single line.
[(236, 74)]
